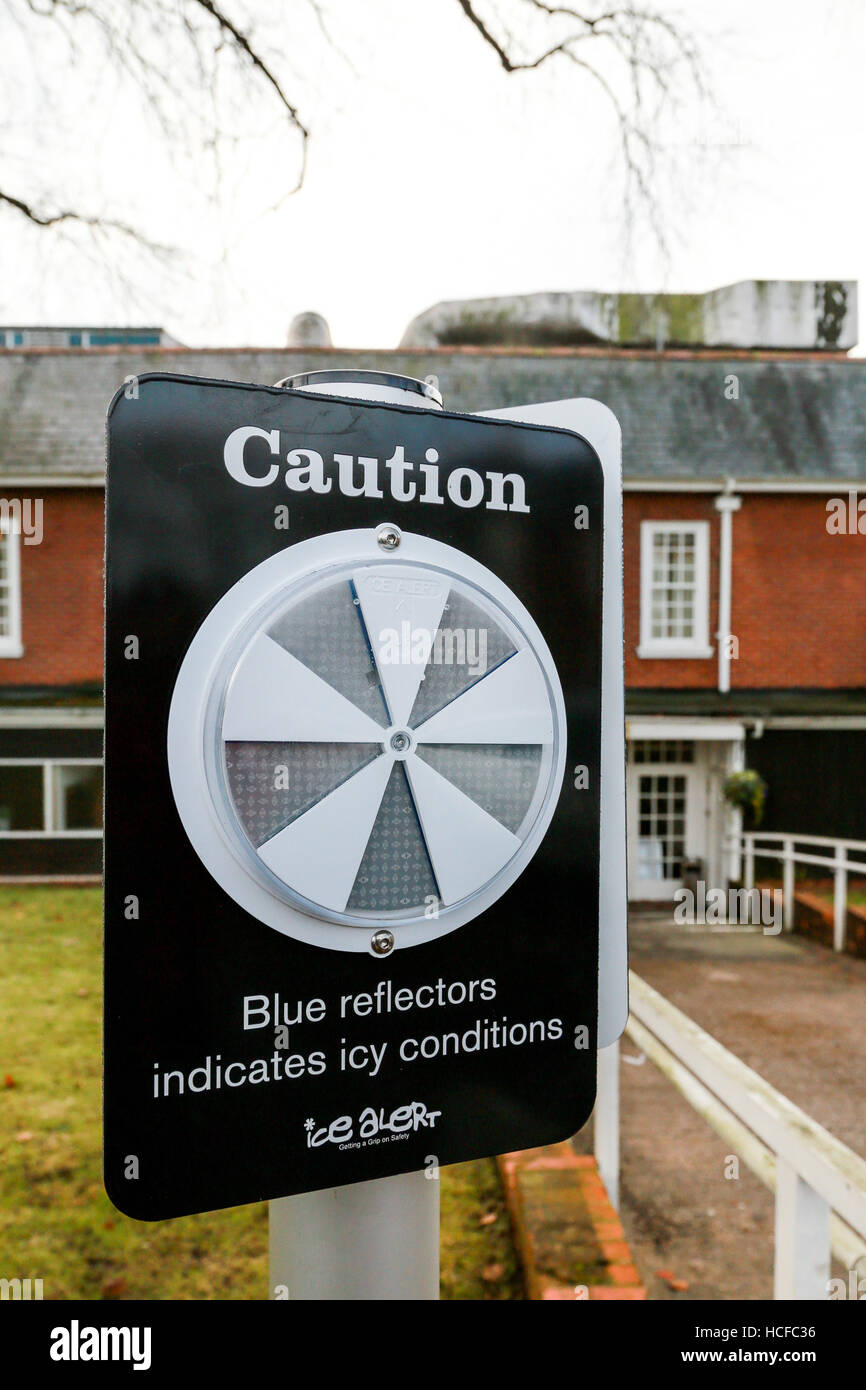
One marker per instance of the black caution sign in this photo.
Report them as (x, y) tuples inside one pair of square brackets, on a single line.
[(353, 669)]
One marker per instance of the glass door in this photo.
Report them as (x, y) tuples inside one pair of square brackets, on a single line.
[(665, 825)]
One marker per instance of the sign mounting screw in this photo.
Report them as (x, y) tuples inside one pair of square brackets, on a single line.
[(388, 537), (382, 942)]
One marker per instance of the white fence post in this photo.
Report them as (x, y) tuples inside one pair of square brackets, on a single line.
[(840, 897), (605, 1123), (820, 1183), (788, 884), (749, 862), (802, 1260)]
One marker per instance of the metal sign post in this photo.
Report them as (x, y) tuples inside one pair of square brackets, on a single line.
[(368, 1240)]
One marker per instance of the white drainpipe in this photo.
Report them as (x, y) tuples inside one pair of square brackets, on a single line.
[(726, 505)]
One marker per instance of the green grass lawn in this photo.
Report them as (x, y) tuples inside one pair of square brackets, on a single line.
[(57, 1224)]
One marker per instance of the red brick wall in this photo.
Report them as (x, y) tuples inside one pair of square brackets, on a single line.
[(61, 593), (798, 603), (799, 596), (798, 608)]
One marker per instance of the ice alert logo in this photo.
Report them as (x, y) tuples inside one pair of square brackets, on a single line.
[(374, 1126)]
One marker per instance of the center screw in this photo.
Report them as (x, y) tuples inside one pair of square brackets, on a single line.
[(382, 942)]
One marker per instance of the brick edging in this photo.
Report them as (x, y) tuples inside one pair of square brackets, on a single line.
[(813, 918), (583, 1193)]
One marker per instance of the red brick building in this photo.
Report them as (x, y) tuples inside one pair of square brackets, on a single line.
[(745, 594)]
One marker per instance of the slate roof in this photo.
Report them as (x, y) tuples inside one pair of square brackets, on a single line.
[(798, 416)]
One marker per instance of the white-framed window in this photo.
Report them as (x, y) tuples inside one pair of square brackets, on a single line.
[(674, 589), (58, 798), (10, 589), (662, 750)]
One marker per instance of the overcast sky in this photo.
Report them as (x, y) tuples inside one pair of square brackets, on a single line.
[(432, 175)]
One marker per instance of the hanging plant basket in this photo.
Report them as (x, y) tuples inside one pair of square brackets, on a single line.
[(748, 791)]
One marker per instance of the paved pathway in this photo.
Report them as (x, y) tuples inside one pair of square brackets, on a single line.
[(794, 1012)]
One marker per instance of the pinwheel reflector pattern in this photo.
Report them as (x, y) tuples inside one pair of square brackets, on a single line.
[(387, 742)]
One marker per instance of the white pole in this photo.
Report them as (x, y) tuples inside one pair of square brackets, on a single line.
[(840, 897), (749, 862), (605, 1124), (726, 505), (802, 1256), (368, 1240), (788, 884)]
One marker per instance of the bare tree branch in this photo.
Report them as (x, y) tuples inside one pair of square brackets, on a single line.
[(474, 18), (244, 46), (645, 64), (54, 219), (168, 89)]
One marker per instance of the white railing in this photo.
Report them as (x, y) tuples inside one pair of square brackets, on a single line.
[(773, 844), (820, 1184)]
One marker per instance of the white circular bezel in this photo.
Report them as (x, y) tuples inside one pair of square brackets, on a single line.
[(190, 732)]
